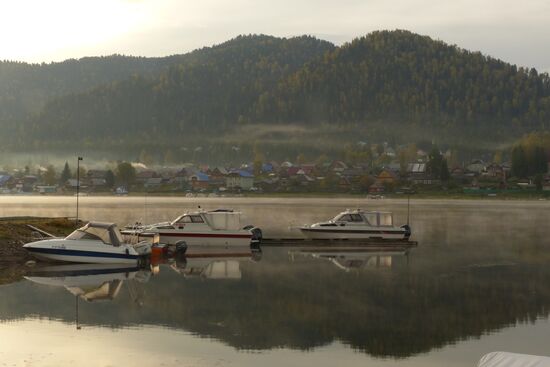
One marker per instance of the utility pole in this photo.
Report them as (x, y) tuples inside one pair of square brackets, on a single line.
[(77, 186)]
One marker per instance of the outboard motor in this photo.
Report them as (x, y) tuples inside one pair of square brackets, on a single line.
[(256, 236), (181, 247), (408, 231)]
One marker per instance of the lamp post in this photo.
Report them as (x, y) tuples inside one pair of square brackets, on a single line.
[(77, 185)]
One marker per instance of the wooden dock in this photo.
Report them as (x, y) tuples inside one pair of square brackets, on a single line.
[(302, 242)]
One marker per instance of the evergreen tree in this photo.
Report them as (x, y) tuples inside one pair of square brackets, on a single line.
[(65, 174), (444, 171), (538, 182), (435, 162), (519, 162), (109, 179)]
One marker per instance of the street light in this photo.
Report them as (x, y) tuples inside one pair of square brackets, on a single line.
[(77, 185)]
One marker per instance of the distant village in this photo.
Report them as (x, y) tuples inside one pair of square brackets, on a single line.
[(388, 173)]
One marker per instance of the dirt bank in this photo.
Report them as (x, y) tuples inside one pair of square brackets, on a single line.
[(15, 232)]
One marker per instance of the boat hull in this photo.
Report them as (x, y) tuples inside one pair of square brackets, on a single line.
[(69, 251), (220, 239)]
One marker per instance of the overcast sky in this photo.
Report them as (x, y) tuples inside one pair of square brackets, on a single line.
[(54, 30)]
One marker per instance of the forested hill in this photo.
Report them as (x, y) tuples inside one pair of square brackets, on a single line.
[(405, 76), (387, 77), (25, 88), (210, 88)]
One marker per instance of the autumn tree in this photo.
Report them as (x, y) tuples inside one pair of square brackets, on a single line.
[(49, 176), (125, 174)]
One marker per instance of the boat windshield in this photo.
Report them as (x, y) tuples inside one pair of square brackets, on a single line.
[(108, 234), (348, 218), (187, 219)]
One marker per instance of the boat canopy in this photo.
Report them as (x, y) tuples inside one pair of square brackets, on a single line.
[(224, 220), (105, 232), (505, 359)]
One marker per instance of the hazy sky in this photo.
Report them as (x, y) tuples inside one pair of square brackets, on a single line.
[(42, 30)]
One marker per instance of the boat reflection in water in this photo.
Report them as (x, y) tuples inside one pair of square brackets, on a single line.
[(90, 282), (355, 258), (213, 263)]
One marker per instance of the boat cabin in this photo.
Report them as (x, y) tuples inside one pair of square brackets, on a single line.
[(105, 232), (220, 219), (374, 219), (185, 219)]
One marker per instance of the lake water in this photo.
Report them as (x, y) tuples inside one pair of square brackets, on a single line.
[(479, 281)]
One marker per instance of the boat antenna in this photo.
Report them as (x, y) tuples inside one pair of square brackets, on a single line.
[(77, 185), (145, 206), (76, 314), (408, 207)]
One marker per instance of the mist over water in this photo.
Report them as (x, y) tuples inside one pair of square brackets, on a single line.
[(479, 281)]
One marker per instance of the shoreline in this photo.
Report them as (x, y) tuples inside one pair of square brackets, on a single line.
[(14, 233), (544, 196)]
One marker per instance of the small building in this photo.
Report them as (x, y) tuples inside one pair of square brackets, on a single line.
[(267, 168), (200, 181), (477, 166), (6, 181), (143, 176), (239, 179), (338, 166), (97, 182), (494, 170), (153, 182), (416, 169), (457, 173), (376, 188), (387, 177), (46, 189), (344, 184), (217, 176), (96, 174)]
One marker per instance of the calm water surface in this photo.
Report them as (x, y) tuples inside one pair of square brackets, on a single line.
[(479, 281)]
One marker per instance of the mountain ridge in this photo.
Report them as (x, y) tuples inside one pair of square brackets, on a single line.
[(385, 80)]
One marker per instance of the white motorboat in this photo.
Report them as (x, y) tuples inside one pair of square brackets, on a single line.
[(99, 243), (358, 224), (221, 228), (506, 359)]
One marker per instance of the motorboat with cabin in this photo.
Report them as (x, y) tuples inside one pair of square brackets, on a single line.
[(358, 224), (219, 228), (96, 242)]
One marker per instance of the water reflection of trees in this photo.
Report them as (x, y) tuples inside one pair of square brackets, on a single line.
[(395, 312)]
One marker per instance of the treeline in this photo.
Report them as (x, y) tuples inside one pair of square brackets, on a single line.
[(394, 79)]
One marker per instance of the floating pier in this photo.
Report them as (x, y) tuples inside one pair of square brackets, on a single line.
[(303, 242)]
